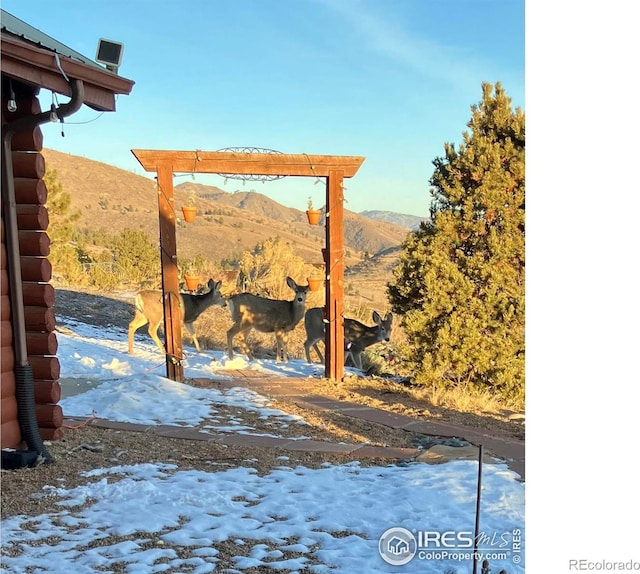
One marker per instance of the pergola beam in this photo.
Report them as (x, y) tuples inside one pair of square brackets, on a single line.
[(236, 163)]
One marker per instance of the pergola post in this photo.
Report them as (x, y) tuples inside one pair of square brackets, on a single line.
[(169, 262), (334, 275)]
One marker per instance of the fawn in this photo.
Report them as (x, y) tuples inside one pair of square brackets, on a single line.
[(357, 336), (267, 316), (150, 309)]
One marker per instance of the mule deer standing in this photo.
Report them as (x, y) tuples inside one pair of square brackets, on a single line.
[(150, 309), (267, 316), (357, 336)]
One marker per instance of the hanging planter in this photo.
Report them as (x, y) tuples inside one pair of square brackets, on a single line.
[(313, 215), (189, 210), (189, 213), (315, 282), (192, 282)]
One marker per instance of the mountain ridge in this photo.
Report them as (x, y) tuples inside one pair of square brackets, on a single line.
[(228, 222), (411, 222)]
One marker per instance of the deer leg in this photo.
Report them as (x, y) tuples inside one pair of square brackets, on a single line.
[(138, 321), (153, 333), (317, 350), (192, 332), (353, 351), (244, 345), (356, 355), (307, 350), (231, 333), (281, 347), (308, 344)]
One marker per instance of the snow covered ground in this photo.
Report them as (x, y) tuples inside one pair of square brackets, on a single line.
[(341, 518)]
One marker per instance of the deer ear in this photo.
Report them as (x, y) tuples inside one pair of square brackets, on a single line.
[(376, 317), (291, 283), (389, 317), (217, 285)]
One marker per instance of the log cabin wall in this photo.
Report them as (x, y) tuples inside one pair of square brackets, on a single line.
[(37, 292)]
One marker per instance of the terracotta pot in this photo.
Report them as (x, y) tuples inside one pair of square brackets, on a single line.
[(189, 213), (192, 282), (314, 215), (314, 283)]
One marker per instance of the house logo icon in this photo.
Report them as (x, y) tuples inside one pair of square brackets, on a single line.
[(397, 546)]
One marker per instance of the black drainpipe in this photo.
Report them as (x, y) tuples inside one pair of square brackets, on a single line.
[(23, 371)]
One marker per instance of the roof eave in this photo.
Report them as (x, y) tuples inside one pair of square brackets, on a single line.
[(38, 67)]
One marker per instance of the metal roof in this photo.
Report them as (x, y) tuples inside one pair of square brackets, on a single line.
[(12, 25)]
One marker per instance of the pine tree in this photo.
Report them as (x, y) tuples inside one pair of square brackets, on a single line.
[(135, 256), (65, 254), (459, 286), (61, 216)]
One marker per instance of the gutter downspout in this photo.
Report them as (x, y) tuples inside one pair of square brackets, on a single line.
[(23, 371)]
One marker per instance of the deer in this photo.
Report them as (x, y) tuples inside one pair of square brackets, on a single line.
[(250, 311), (149, 308), (357, 336)]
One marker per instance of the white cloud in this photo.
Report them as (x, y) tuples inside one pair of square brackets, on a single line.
[(382, 31)]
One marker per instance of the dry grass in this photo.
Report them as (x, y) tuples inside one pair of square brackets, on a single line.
[(463, 398), (416, 401)]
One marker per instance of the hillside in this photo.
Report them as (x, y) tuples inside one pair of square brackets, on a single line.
[(402, 219), (229, 223)]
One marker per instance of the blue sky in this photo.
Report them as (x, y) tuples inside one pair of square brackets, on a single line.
[(388, 80)]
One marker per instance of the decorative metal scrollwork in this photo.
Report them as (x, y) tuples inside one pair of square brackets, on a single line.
[(246, 176)]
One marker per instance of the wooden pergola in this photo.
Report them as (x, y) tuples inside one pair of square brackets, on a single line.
[(333, 168)]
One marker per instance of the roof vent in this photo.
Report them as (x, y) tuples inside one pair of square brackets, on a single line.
[(110, 53)]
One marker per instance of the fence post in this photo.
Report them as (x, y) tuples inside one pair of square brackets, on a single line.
[(477, 529)]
